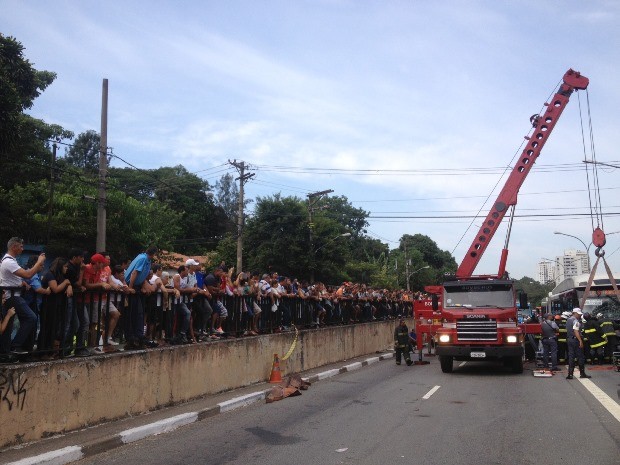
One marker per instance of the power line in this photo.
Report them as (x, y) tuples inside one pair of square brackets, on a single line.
[(570, 191)]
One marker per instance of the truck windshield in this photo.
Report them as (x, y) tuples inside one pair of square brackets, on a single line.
[(477, 295)]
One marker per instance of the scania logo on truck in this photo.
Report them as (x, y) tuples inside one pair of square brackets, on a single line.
[(475, 317)]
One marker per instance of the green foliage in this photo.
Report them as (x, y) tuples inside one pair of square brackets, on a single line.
[(535, 291), (227, 196), (276, 236), (84, 152), (20, 84), (24, 150), (226, 250), (361, 271), (202, 223)]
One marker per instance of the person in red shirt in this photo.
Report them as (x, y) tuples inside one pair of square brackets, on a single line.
[(95, 298)]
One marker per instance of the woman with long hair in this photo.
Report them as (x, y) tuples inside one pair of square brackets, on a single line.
[(53, 311)]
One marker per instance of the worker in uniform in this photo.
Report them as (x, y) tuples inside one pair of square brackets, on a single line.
[(549, 342), (401, 342), (596, 339), (562, 348), (575, 344), (607, 326), (532, 340)]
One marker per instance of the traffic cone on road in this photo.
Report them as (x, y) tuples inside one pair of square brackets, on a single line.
[(276, 374)]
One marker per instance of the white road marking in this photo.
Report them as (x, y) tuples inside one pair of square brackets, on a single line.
[(430, 393), (462, 364), (56, 457), (158, 427), (606, 401)]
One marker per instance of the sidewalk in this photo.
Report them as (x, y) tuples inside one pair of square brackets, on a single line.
[(79, 444)]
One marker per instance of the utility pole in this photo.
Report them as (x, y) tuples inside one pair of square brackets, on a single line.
[(243, 178), (407, 265), (50, 208), (313, 198), (103, 168)]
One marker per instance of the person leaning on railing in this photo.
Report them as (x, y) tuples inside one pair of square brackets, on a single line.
[(53, 311), (11, 275), (135, 278)]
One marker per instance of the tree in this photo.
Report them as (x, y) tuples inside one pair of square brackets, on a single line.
[(227, 196), (25, 147), (535, 291), (84, 152), (276, 236), (202, 223), (440, 261), (20, 84)]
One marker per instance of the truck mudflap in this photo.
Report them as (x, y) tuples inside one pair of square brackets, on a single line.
[(480, 353)]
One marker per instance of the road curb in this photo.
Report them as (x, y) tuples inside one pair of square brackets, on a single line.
[(73, 453)]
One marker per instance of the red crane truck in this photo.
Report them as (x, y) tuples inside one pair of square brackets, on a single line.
[(479, 313)]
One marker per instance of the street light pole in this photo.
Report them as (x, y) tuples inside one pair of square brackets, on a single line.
[(332, 240), (414, 272)]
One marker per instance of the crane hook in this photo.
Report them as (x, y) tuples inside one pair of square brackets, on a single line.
[(599, 252)]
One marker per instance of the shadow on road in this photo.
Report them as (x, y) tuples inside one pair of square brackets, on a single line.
[(273, 438)]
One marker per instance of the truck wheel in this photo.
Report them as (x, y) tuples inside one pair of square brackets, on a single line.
[(516, 365), (446, 363)]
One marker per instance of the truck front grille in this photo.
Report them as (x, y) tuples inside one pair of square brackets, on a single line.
[(476, 330)]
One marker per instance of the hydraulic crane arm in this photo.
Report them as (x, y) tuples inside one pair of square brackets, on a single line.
[(543, 125)]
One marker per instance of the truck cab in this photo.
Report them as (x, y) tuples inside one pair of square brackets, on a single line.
[(479, 322)]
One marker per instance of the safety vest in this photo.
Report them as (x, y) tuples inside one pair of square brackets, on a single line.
[(594, 335)]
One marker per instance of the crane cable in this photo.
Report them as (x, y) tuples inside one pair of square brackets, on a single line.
[(596, 211), (596, 207)]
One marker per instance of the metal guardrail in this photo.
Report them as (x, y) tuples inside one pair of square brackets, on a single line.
[(58, 323)]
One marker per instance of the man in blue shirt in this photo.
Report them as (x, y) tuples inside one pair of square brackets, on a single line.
[(135, 277)]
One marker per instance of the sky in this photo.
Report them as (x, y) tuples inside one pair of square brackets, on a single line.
[(413, 110)]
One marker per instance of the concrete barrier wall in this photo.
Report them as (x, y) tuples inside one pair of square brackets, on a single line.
[(41, 399)]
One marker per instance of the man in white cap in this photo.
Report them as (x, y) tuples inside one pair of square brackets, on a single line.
[(575, 344)]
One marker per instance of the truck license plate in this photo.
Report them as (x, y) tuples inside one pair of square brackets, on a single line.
[(478, 355)]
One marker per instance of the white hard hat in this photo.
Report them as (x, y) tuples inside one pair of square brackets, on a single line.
[(577, 310)]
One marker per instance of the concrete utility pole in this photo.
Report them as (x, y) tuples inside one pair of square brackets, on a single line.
[(243, 177), (313, 198), (103, 170)]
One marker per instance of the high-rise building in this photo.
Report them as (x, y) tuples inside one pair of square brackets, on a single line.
[(546, 272), (572, 263)]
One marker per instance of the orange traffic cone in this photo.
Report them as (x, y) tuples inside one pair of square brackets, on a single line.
[(276, 375)]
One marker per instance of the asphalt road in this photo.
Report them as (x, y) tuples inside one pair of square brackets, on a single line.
[(479, 415)]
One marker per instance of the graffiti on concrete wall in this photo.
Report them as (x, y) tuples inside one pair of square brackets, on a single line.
[(13, 390)]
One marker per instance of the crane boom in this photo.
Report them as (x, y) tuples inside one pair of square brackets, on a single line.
[(543, 126)]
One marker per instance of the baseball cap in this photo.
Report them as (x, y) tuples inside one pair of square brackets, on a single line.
[(191, 261), (98, 258)]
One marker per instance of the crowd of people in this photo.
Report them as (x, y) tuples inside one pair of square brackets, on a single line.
[(82, 304)]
